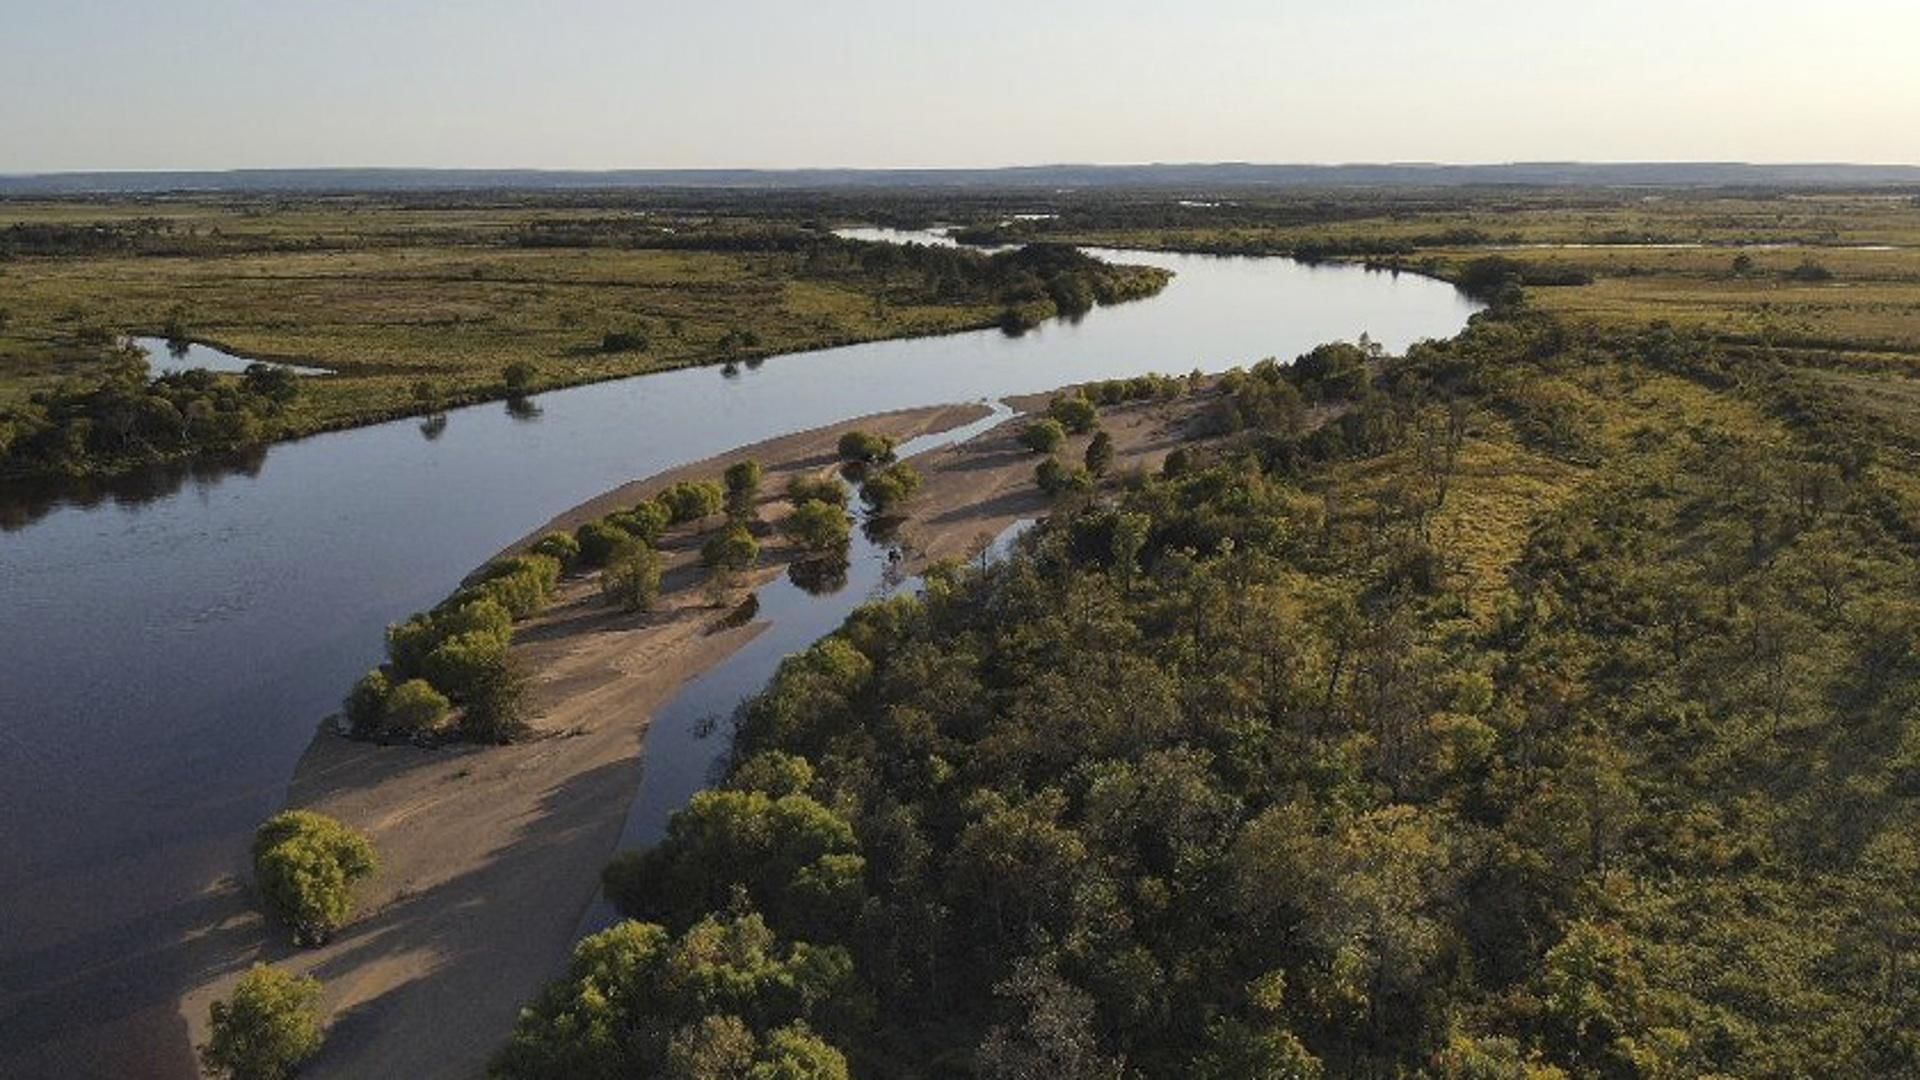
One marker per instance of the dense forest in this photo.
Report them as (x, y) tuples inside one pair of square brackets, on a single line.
[(1541, 703), (128, 417)]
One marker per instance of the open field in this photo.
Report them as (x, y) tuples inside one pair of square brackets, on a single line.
[(388, 317), (417, 307)]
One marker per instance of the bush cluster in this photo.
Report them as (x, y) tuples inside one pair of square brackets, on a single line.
[(305, 865), (865, 448), (457, 655), (127, 418), (886, 490)]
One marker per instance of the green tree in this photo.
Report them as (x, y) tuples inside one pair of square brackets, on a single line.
[(415, 708), (865, 448), (598, 541), (1043, 436), (796, 1053), (724, 995), (305, 865), (1100, 454), (817, 528), (632, 577), (694, 500), (1074, 412), (517, 377), (366, 705), (824, 489), (563, 548), (886, 490), (266, 1029), (496, 707), (1055, 477), (646, 521), (743, 489), (734, 549), (271, 381)]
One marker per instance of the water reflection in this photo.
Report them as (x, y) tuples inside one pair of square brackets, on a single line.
[(820, 577), (523, 408), (881, 530), (23, 502), (434, 426)]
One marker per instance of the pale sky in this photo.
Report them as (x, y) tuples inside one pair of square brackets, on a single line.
[(205, 84)]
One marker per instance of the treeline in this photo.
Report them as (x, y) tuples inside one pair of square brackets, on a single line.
[(1030, 283), (128, 418), (153, 236), (1232, 772)]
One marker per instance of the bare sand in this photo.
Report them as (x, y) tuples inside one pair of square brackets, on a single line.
[(490, 856)]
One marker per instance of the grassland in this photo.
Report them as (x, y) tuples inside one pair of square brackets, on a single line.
[(385, 319), (414, 307), (442, 301)]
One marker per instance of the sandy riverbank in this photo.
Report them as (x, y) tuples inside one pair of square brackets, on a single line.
[(491, 855)]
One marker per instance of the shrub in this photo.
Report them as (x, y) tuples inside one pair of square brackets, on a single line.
[(1044, 436), (366, 704), (478, 615), (632, 577), (496, 702), (598, 540), (266, 1029), (517, 377), (305, 865), (693, 500), (887, 489), (865, 448), (408, 644), (561, 547), (1074, 412), (1809, 271), (1337, 370), (647, 521), (816, 489), (732, 549), (623, 341), (1100, 453), (1056, 478), (743, 488), (458, 665), (415, 707), (526, 584), (818, 528)]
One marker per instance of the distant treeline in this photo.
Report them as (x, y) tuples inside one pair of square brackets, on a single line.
[(1029, 283)]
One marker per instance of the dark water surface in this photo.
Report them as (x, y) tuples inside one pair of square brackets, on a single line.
[(167, 645)]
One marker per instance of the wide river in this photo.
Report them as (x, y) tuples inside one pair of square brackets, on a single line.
[(166, 653)]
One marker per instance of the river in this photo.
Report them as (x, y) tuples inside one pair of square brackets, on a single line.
[(167, 649)]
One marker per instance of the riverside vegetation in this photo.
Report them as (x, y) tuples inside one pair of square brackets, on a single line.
[(416, 307), (1541, 703)]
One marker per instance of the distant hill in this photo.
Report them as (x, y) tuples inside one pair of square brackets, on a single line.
[(1187, 176)]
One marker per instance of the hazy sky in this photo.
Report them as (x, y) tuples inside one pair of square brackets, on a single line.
[(146, 84)]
